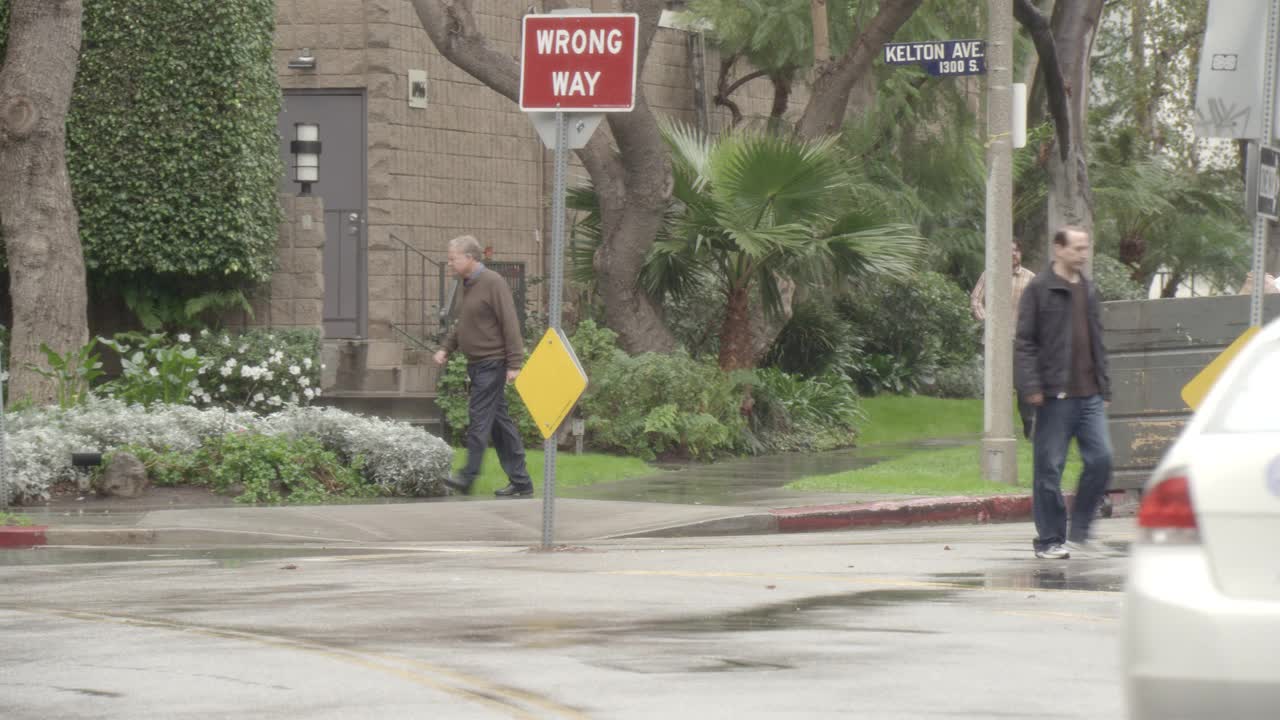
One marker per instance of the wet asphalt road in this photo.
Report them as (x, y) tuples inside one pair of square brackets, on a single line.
[(953, 622)]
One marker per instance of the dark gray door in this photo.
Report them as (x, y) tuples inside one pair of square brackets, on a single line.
[(341, 117)]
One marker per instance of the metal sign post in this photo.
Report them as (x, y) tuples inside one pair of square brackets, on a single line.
[(555, 293), (4, 445), (584, 63), (1260, 220), (1237, 67)]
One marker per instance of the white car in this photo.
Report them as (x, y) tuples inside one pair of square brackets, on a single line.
[(1202, 605)]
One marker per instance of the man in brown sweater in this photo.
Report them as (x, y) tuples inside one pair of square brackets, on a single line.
[(488, 333)]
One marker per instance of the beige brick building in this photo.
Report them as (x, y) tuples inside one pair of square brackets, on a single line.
[(401, 175)]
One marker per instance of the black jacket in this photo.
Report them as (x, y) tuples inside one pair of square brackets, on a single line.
[(1042, 346)]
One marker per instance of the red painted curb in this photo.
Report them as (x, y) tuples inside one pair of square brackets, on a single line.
[(925, 511), (22, 537)]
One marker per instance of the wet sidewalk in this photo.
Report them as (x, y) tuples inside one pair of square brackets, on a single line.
[(731, 498)]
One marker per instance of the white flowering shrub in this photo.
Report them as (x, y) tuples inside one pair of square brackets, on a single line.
[(399, 458), (261, 370)]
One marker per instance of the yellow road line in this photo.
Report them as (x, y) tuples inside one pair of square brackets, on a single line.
[(508, 700)]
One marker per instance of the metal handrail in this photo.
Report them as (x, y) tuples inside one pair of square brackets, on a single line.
[(445, 301)]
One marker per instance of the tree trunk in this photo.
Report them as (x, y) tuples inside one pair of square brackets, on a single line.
[(833, 81), (765, 329), (1075, 26), (735, 334), (634, 184), (821, 36), (1064, 48), (37, 216)]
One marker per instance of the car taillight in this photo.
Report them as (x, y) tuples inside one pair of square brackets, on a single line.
[(1166, 515)]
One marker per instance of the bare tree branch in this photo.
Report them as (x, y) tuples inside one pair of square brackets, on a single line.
[(835, 80), (1037, 26)]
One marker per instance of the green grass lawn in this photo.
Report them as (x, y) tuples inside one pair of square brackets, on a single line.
[(571, 470), (896, 418), (951, 471)]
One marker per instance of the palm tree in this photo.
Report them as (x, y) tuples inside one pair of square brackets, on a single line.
[(754, 209)]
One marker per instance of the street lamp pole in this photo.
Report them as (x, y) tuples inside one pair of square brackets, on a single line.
[(999, 448)]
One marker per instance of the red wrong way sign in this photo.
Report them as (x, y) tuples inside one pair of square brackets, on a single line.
[(584, 63)]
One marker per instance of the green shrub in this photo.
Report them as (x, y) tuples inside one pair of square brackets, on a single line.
[(695, 318), (668, 405), (154, 370), (908, 329), (172, 145), (73, 373), (1114, 280), (260, 369), (797, 413), (959, 381), (814, 341), (259, 468)]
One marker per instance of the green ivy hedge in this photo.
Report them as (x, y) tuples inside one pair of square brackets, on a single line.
[(172, 145)]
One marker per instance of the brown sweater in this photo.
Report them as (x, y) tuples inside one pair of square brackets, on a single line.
[(487, 327)]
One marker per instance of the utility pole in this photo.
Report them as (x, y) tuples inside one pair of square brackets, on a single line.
[(999, 448)]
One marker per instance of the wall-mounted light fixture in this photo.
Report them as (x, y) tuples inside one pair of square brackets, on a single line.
[(304, 61), (306, 155)]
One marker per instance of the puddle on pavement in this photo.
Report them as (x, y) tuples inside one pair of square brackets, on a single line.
[(229, 557), (792, 614), (1056, 578)]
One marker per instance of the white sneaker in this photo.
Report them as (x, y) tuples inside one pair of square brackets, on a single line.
[(1053, 552), (1084, 547)]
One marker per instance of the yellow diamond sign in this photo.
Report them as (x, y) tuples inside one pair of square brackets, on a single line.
[(551, 381), (1194, 392)]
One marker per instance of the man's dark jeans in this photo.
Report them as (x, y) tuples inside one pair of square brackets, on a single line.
[(490, 420), (1057, 421)]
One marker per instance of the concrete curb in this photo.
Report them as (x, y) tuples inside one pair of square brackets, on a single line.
[(925, 511), (817, 518), (820, 518), (23, 536)]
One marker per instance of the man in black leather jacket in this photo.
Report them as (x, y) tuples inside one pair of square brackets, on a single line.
[(1060, 367)]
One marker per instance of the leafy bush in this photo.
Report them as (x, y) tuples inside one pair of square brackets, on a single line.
[(695, 317), (263, 370), (399, 459), (73, 373), (959, 381), (669, 405), (797, 413), (259, 468), (909, 329), (146, 85), (260, 370), (154, 370), (814, 341), (1114, 280)]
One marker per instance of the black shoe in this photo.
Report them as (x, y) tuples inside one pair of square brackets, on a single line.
[(457, 485), (513, 490)]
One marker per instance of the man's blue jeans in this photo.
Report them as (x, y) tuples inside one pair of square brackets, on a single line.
[(1057, 421)]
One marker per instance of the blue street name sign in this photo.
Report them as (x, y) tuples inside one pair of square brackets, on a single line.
[(940, 58)]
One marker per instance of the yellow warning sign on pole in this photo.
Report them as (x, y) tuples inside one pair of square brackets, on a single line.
[(1194, 392), (551, 382)]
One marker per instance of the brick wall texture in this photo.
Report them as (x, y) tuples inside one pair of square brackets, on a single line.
[(470, 162)]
